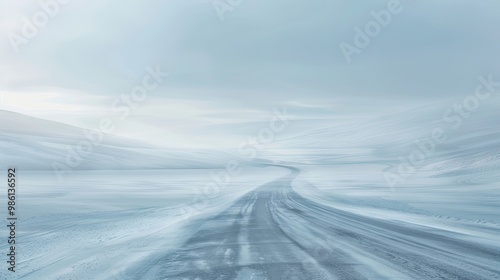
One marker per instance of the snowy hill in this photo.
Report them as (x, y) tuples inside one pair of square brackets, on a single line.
[(33, 143)]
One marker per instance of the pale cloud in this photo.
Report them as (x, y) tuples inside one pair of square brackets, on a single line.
[(264, 55)]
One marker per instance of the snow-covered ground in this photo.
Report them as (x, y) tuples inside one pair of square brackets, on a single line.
[(315, 205), (98, 223)]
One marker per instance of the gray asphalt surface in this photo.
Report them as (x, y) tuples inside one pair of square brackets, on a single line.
[(274, 233)]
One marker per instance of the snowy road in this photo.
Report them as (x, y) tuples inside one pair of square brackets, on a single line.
[(274, 233)]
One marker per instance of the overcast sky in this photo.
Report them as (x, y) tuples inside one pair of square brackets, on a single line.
[(223, 72)]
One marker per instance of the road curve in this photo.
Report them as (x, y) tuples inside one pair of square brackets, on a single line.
[(274, 233)]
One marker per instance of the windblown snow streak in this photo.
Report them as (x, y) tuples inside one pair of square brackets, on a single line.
[(274, 233), (313, 206)]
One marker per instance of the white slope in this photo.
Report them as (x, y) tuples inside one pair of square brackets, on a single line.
[(327, 213), (33, 143), (100, 223), (457, 179)]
